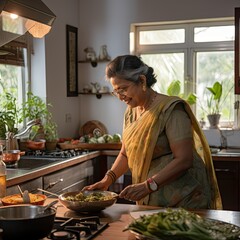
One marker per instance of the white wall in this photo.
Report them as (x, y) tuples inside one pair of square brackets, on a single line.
[(107, 22)]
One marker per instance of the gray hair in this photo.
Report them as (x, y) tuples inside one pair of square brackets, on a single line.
[(130, 67)]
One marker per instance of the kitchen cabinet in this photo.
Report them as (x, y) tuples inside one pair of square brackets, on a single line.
[(70, 179), (228, 177), (31, 186)]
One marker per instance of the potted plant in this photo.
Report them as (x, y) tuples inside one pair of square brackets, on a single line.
[(50, 132), (36, 108), (9, 119), (213, 104), (214, 101)]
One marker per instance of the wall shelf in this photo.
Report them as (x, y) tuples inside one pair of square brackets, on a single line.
[(93, 63), (98, 95)]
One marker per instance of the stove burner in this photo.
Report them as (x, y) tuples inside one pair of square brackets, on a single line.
[(75, 229), (63, 235)]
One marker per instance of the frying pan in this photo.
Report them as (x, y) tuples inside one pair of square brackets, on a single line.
[(81, 206), (26, 221)]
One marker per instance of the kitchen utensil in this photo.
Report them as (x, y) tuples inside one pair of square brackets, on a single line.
[(26, 198), (11, 157), (45, 208), (90, 206), (25, 222), (85, 206), (42, 190), (24, 195)]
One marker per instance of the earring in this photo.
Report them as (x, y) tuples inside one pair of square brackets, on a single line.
[(144, 88)]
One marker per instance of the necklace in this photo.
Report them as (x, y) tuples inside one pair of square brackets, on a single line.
[(148, 105)]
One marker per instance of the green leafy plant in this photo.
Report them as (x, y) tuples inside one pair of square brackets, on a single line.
[(213, 102), (174, 89), (9, 114), (34, 107), (50, 128)]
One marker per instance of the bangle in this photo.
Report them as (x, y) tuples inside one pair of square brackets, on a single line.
[(112, 175)]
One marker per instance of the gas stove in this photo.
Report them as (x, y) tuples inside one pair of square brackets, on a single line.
[(54, 153), (76, 228)]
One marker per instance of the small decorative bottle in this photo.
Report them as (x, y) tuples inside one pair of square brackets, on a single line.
[(3, 173)]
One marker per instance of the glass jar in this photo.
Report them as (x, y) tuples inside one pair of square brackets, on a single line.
[(3, 175)]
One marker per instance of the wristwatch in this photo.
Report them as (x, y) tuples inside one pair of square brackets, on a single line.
[(152, 185)]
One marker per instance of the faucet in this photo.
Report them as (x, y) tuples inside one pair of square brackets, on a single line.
[(29, 126), (223, 140), (11, 139)]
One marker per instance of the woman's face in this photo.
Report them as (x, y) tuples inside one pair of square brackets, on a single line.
[(129, 92)]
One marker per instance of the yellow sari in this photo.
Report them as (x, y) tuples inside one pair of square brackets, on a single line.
[(140, 137)]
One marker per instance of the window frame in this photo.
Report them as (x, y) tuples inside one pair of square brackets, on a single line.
[(189, 48)]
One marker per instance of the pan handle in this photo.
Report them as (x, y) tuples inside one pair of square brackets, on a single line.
[(54, 194)]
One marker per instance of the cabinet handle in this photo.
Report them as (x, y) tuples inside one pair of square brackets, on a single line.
[(51, 184), (222, 170)]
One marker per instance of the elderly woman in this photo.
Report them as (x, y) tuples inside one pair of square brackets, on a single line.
[(163, 145)]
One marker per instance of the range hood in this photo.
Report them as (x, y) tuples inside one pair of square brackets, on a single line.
[(19, 16)]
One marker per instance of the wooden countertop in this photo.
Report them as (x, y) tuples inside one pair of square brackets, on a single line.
[(118, 216)]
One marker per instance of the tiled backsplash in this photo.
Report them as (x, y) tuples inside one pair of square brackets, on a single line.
[(214, 137)]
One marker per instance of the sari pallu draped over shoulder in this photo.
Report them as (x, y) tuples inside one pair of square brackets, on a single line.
[(140, 137)]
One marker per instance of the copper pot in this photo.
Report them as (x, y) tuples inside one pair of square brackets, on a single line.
[(36, 145), (11, 157)]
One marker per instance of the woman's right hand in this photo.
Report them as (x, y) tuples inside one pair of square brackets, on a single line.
[(101, 185)]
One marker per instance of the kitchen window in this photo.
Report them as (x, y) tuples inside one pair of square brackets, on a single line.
[(197, 53), (14, 66)]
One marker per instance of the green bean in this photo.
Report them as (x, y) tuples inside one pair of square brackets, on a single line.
[(182, 224)]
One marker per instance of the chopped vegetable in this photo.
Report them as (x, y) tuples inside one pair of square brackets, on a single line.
[(182, 224), (93, 197)]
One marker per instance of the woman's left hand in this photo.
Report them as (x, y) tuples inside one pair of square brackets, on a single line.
[(135, 192)]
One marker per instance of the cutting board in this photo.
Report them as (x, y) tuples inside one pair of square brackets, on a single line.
[(89, 126), (91, 146), (138, 214)]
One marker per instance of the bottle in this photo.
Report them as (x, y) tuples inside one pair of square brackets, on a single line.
[(3, 173)]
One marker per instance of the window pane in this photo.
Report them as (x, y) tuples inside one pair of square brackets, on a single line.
[(162, 36), (212, 67), (167, 67), (11, 81), (214, 34)]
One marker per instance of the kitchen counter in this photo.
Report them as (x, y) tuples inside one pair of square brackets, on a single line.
[(16, 176), (118, 216)]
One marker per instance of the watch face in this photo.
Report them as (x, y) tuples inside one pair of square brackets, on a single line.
[(152, 185)]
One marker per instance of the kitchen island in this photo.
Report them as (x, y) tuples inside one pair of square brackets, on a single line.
[(118, 217)]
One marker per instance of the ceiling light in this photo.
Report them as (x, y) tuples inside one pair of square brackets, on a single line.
[(19, 16)]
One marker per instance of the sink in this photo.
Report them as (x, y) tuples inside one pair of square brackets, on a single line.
[(32, 163), (229, 151)]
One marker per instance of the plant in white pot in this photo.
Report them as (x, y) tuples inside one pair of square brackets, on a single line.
[(215, 99)]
